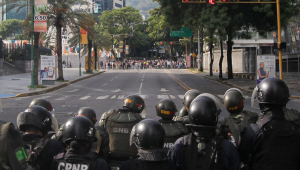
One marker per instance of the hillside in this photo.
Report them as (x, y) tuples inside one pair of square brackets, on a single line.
[(143, 5)]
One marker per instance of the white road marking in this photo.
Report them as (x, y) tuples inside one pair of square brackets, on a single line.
[(121, 97), (142, 79), (44, 97), (117, 90), (163, 90), (104, 84), (75, 90), (172, 97), (111, 79), (163, 96), (144, 96), (221, 96), (62, 98), (113, 97), (181, 96), (85, 97), (103, 97), (140, 90)]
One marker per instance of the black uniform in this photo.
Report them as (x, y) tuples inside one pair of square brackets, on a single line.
[(185, 155), (271, 143), (81, 159), (48, 149), (149, 141)]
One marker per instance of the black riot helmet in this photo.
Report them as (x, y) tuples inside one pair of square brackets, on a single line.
[(183, 112), (42, 102), (79, 128), (166, 109), (189, 97), (36, 116), (135, 103), (148, 134), (88, 113), (234, 100), (203, 112), (270, 92)]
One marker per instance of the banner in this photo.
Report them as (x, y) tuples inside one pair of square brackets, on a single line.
[(266, 67), (66, 49), (40, 16), (121, 44), (83, 38), (48, 67), (127, 49), (92, 63)]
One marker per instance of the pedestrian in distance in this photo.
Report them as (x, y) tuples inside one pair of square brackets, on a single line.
[(202, 148), (79, 137), (149, 142), (273, 142)]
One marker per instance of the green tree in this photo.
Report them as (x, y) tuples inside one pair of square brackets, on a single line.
[(10, 27)]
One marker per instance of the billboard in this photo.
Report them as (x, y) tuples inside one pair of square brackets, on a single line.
[(40, 16), (83, 38), (266, 67), (127, 49), (121, 44), (47, 67), (92, 62)]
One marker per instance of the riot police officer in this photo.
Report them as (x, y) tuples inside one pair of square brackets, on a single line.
[(148, 136), (36, 122), (239, 119), (118, 124), (48, 106), (202, 148), (273, 142), (166, 109), (79, 135), (189, 96)]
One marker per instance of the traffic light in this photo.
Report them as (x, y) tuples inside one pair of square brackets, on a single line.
[(171, 43), (161, 43), (212, 2)]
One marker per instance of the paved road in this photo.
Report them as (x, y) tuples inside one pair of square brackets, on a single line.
[(108, 90)]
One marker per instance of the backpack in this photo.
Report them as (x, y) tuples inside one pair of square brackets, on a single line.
[(33, 150), (12, 153)]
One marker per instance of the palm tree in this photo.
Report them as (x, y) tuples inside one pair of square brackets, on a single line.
[(60, 15)]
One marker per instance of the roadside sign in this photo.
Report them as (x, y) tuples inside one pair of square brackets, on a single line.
[(162, 51), (194, 55), (183, 32)]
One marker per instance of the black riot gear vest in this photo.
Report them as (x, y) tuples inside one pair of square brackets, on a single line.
[(235, 124), (33, 150), (173, 131), (72, 161), (150, 159), (209, 158), (279, 145), (119, 125)]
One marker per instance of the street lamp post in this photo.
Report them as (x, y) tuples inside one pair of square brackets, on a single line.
[(32, 52)]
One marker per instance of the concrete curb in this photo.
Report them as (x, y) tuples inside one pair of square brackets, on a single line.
[(55, 87)]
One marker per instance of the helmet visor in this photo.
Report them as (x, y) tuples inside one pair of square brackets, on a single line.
[(254, 98), (54, 125), (133, 136), (144, 112), (215, 99)]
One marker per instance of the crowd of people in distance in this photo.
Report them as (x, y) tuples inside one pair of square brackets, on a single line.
[(195, 139), (142, 64)]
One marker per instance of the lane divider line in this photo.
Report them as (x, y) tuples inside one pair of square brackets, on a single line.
[(182, 84)]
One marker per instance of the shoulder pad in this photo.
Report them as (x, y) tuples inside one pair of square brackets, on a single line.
[(60, 155), (126, 117), (104, 116)]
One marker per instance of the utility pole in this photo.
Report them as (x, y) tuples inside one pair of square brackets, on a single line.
[(198, 50), (32, 52)]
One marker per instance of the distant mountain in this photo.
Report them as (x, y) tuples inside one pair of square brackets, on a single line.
[(143, 5)]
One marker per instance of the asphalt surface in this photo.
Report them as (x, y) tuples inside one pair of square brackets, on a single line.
[(108, 90)]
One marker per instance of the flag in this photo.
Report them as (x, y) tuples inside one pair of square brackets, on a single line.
[(83, 38)]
